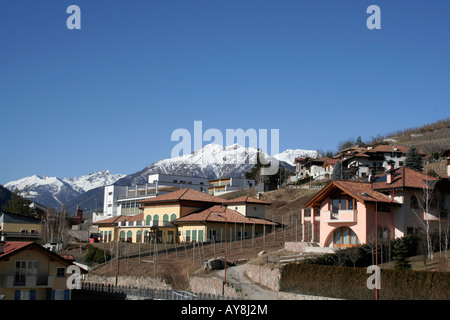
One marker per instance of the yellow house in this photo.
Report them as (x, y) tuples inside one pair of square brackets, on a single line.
[(19, 227), (175, 216), (28, 271)]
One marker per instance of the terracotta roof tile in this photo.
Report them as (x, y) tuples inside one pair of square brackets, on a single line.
[(245, 199), (212, 215), (11, 246), (113, 220), (184, 194), (403, 178)]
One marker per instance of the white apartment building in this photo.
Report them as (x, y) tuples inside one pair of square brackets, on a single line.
[(124, 200)]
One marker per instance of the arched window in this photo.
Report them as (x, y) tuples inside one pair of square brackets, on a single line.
[(122, 236), (155, 220), (344, 237), (129, 236), (165, 218), (139, 236), (148, 219), (147, 236), (173, 217)]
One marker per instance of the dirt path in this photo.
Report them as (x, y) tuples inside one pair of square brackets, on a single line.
[(251, 290)]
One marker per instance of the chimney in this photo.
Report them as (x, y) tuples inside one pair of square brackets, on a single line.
[(390, 171), (79, 214)]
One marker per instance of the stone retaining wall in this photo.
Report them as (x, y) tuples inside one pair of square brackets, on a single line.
[(265, 275), (212, 285), (130, 281)]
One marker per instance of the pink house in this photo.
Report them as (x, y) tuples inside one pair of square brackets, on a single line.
[(401, 201)]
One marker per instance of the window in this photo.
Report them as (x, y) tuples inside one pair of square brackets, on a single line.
[(165, 218), (341, 204), (188, 235), (414, 202), (345, 237), (335, 205), (139, 236), (173, 217), (60, 272), (23, 269), (148, 219), (129, 236)]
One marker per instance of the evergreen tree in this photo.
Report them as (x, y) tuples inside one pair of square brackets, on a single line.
[(18, 204), (337, 171), (413, 159), (400, 251)]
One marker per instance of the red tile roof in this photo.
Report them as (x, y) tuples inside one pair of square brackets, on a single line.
[(403, 178), (221, 213), (114, 220), (353, 188), (184, 194), (11, 246), (245, 199)]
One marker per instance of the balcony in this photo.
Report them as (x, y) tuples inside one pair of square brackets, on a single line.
[(339, 216), (29, 282)]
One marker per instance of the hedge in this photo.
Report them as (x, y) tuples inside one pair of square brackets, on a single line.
[(351, 283)]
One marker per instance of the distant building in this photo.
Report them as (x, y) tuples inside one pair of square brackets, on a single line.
[(124, 200), (28, 271), (187, 215), (224, 185), (17, 227), (343, 213)]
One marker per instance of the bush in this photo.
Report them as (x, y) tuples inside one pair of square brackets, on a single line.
[(351, 283), (97, 255)]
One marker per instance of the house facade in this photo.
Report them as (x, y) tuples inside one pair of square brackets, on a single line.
[(28, 271), (222, 186), (19, 227), (399, 202), (125, 200), (184, 216)]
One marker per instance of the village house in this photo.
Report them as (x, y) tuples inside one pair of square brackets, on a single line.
[(19, 227), (187, 215), (28, 271), (401, 200)]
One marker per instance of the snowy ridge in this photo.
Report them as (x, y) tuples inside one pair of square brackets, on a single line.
[(289, 155), (211, 161), (53, 191)]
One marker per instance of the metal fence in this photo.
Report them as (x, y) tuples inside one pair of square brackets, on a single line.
[(150, 294)]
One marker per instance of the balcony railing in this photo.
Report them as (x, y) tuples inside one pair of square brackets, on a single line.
[(339, 216), (42, 281)]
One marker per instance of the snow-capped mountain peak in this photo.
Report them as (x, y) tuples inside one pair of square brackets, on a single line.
[(53, 191), (289, 155)]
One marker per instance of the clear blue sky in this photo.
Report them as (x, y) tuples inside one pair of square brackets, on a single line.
[(110, 95)]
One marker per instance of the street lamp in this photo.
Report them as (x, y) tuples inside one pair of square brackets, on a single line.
[(225, 266), (376, 238)]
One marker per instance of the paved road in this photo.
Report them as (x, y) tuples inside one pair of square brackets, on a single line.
[(251, 290)]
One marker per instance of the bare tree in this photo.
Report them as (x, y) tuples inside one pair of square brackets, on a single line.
[(425, 197)]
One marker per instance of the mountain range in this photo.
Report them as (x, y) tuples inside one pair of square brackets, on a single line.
[(211, 161)]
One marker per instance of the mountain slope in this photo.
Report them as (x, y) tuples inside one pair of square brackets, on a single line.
[(212, 161), (53, 192)]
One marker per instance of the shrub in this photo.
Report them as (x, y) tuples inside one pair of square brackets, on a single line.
[(97, 255), (351, 283)]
